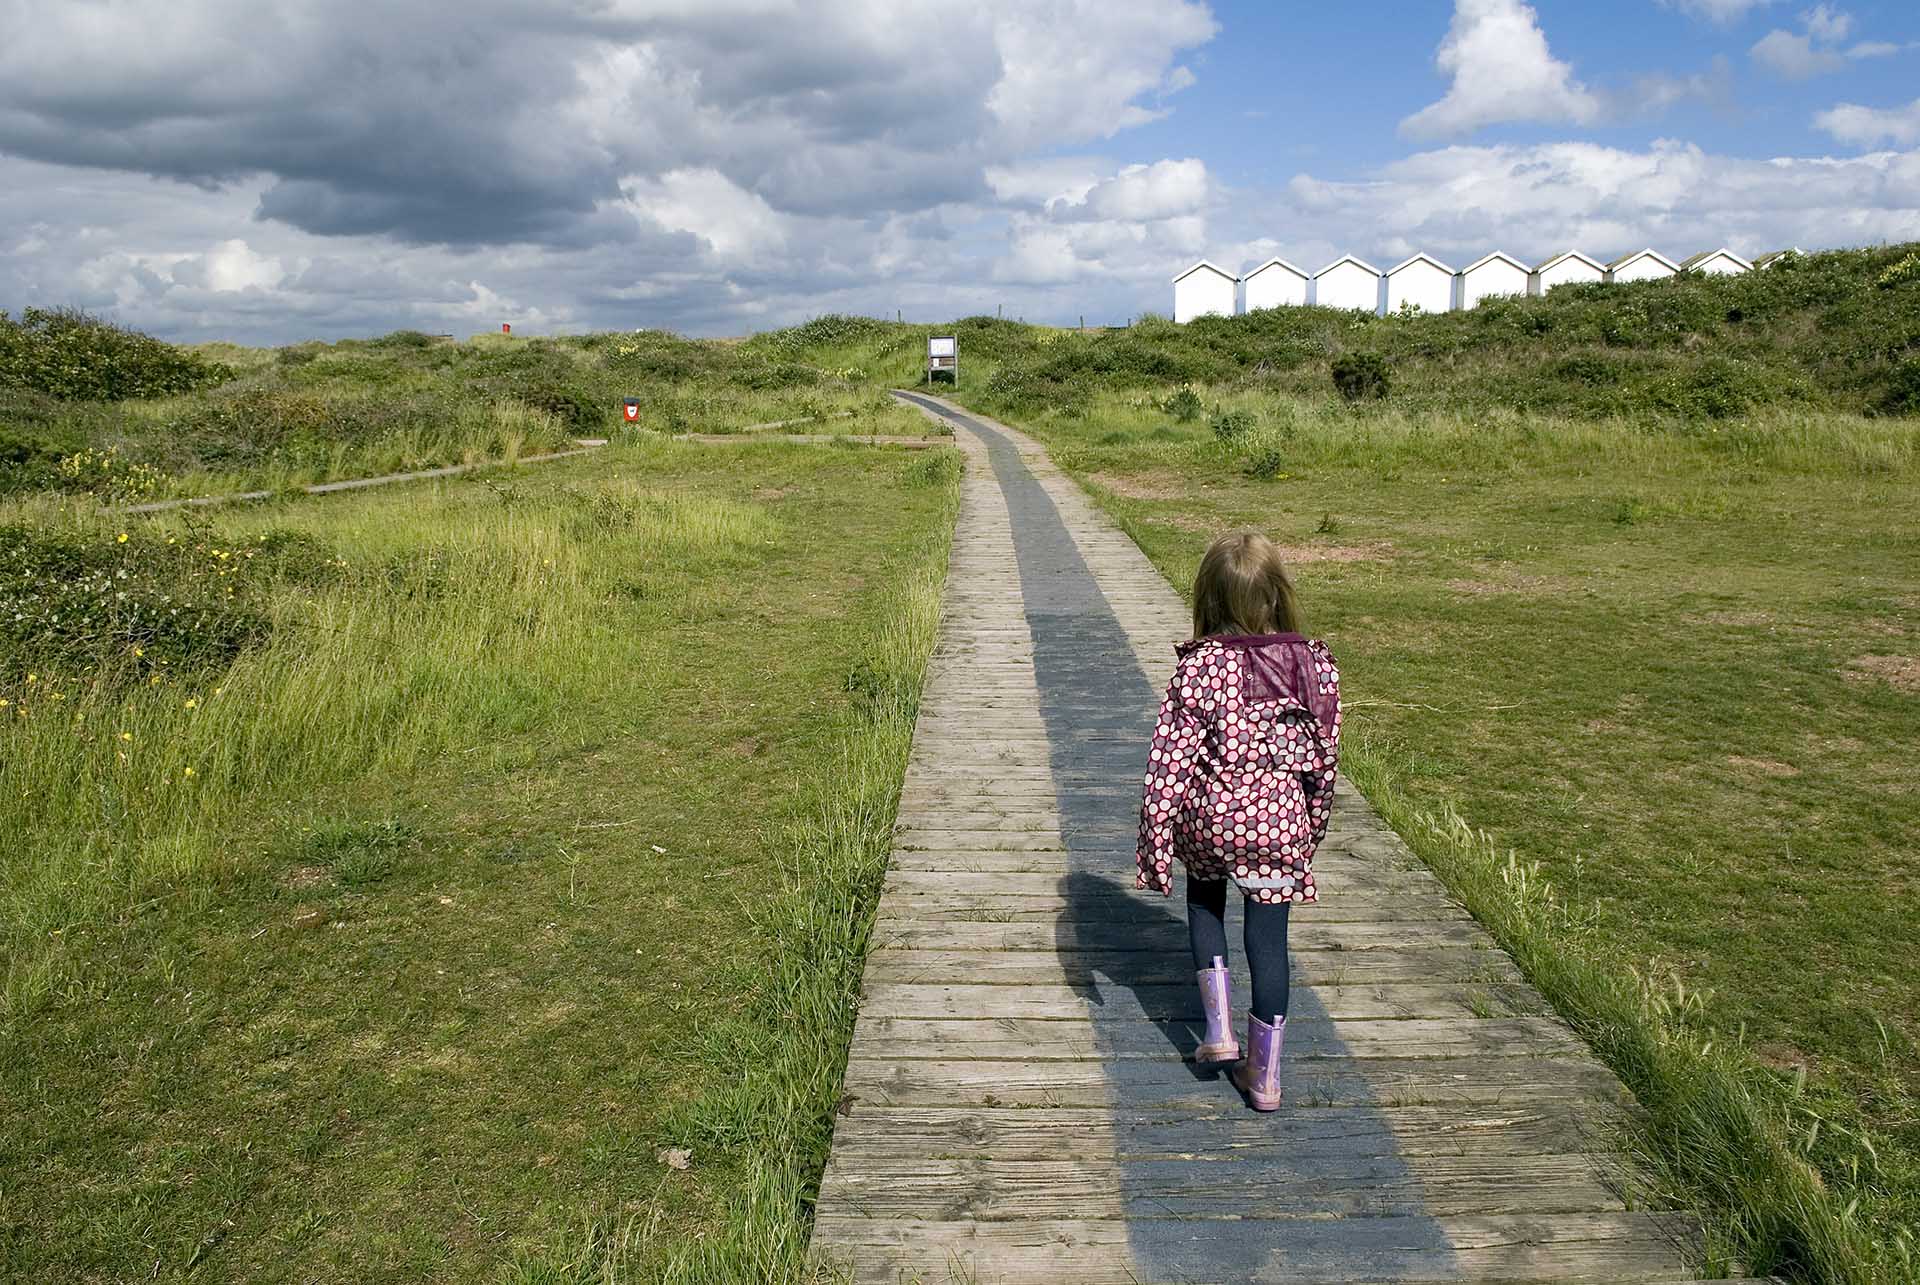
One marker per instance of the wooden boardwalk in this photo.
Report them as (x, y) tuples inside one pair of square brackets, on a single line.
[(1018, 1104)]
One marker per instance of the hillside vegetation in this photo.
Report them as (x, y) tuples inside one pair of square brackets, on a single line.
[(88, 407)]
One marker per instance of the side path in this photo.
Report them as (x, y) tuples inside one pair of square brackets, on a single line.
[(1018, 1106)]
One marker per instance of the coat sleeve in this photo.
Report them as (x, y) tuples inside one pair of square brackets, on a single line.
[(1317, 782), (1170, 762)]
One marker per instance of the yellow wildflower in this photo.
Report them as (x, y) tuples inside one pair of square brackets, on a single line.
[(122, 539), (192, 703), (33, 678), (189, 771), (126, 736), (139, 651)]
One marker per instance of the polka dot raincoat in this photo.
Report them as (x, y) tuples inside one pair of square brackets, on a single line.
[(1239, 781)]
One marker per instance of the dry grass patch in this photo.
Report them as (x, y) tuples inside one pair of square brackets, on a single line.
[(1902, 673)]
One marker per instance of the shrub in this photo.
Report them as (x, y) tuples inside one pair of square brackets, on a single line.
[(1907, 269), (1361, 375), (1267, 460), (403, 339), (135, 602), (1902, 396), (568, 406), (1232, 425), (70, 355), (1184, 406)]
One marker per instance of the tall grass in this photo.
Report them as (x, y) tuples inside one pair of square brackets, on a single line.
[(116, 782), (1720, 1131), (788, 1051)]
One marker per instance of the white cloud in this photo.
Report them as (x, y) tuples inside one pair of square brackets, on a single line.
[(1722, 13), (1816, 49), (1073, 69), (1501, 71), (1865, 126), (1037, 182), (1461, 202), (735, 223), (233, 265), (1827, 24), (1142, 193)]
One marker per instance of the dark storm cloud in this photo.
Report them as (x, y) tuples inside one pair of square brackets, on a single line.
[(498, 122)]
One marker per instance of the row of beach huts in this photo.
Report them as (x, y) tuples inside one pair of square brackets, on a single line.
[(1422, 280)]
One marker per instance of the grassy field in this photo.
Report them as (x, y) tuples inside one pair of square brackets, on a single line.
[(471, 850)]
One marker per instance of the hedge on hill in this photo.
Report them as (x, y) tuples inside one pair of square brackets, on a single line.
[(67, 354)]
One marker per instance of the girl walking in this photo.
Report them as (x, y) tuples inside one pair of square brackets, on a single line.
[(1239, 788)]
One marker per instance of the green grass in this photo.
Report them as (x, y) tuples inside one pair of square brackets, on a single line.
[(1678, 669), (536, 840)]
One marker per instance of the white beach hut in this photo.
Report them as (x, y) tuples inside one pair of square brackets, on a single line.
[(1202, 290), (1422, 280), (1641, 265), (1722, 262), (1274, 284), (1348, 282), (1566, 268), (1497, 274)]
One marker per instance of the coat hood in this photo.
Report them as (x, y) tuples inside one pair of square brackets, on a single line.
[(1280, 667)]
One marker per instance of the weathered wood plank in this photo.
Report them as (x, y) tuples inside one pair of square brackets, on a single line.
[(1291, 1186), (1356, 1081), (1617, 1246), (1387, 961), (1162, 934), (1383, 1000), (1017, 1040), (1233, 1135)]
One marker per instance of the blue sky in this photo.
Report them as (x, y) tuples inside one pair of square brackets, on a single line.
[(317, 168), (1255, 123)]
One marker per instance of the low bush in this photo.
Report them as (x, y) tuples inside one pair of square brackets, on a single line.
[(127, 605), (1902, 395), (1232, 425), (67, 354), (1184, 406), (1360, 376)]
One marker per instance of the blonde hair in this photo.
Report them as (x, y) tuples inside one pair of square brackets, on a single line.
[(1243, 588)]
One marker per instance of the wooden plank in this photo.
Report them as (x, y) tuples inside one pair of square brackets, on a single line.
[(1159, 932), (1291, 1186), (1234, 1135), (1392, 960), (1016, 1040), (1416, 1080), (1616, 1246), (1384, 1000)]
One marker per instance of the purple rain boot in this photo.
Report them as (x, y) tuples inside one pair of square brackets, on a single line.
[(1216, 999), (1259, 1076)]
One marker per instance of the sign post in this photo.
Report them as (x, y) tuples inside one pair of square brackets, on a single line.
[(630, 409), (943, 358)]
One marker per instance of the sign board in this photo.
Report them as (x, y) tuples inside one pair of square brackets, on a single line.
[(630, 407), (943, 358), (506, 327)]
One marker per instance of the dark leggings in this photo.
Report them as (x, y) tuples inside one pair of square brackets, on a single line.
[(1266, 942)]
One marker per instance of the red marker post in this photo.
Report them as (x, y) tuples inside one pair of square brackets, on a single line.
[(506, 327), (630, 407)]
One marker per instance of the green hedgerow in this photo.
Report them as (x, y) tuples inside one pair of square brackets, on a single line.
[(67, 354)]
